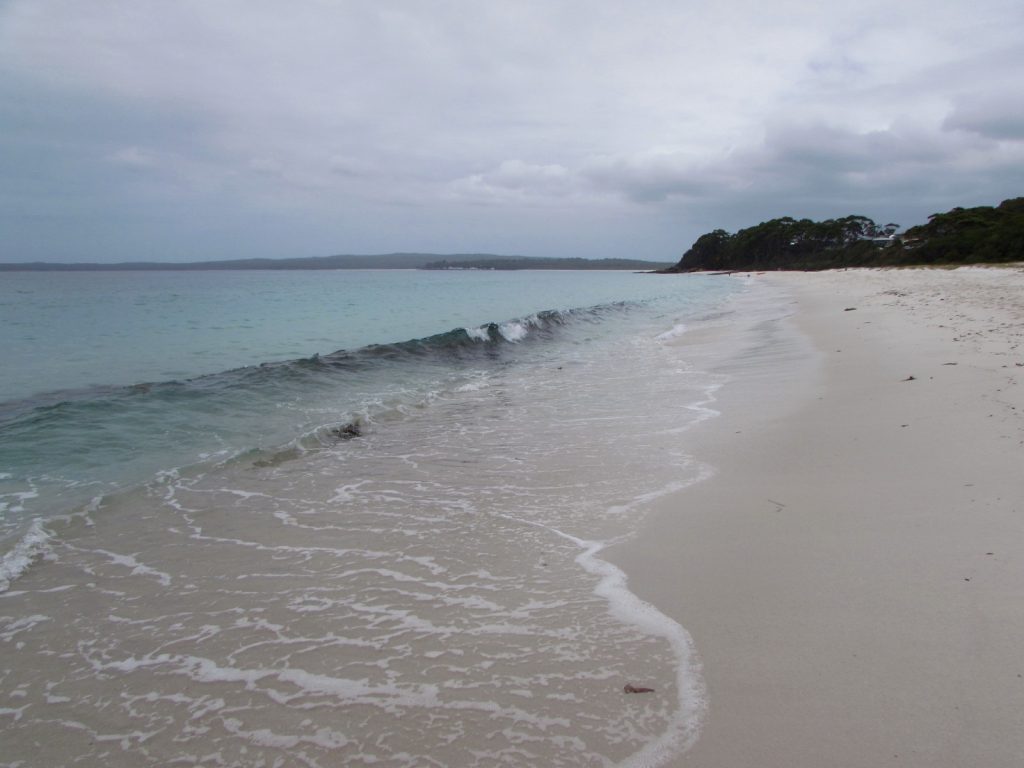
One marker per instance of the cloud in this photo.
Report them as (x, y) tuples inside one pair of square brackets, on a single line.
[(341, 117), (134, 157), (819, 170), (516, 181), (991, 116), (347, 166), (658, 176)]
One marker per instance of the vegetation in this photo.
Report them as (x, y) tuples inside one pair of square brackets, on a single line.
[(961, 236), (542, 263), (970, 235)]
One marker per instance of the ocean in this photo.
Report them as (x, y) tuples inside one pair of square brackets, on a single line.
[(346, 517)]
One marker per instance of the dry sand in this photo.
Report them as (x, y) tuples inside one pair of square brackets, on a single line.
[(853, 574)]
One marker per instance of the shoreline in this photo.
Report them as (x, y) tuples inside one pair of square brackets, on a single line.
[(852, 573), (431, 592)]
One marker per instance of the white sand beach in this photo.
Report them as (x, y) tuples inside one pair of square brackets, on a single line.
[(853, 573)]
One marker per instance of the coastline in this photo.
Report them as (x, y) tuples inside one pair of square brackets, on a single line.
[(429, 591), (852, 573)]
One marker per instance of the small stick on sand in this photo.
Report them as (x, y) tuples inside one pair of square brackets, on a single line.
[(635, 689)]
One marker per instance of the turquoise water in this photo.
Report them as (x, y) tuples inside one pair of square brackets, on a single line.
[(347, 518), (61, 331), (113, 377)]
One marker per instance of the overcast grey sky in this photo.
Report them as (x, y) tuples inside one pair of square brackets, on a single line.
[(208, 129)]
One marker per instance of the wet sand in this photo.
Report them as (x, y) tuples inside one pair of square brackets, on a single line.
[(853, 573)]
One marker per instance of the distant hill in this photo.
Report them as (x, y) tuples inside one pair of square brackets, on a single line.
[(381, 261), (984, 234), (513, 262)]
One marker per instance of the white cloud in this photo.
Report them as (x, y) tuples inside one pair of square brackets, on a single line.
[(133, 157), (516, 181), (692, 110)]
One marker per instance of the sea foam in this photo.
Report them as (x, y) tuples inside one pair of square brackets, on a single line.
[(430, 591), (26, 550)]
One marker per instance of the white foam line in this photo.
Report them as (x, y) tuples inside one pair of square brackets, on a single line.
[(16, 593), (138, 569), (21, 556), (15, 712), (19, 505), (628, 608), (23, 624), (677, 330), (422, 561), (704, 473)]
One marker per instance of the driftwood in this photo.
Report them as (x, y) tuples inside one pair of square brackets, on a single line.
[(629, 688)]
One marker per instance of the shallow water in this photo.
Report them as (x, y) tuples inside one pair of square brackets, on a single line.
[(429, 592), (88, 404)]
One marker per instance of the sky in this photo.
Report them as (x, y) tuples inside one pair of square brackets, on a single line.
[(221, 129)]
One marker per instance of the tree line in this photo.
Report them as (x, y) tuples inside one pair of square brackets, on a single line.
[(984, 234)]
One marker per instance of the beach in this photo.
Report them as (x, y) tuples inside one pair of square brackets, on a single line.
[(852, 574), (809, 484)]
